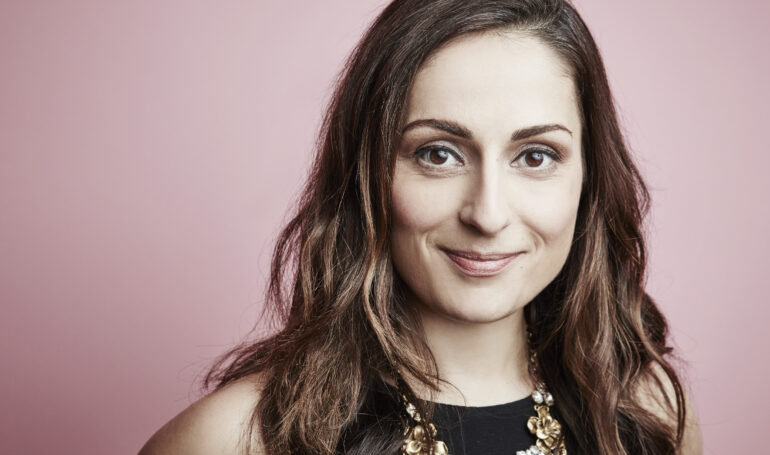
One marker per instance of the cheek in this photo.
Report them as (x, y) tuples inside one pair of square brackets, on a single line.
[(410, 212), (420, 209), (418, 206), (552, 213)]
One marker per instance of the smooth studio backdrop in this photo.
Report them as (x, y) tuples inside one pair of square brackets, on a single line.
[(150, 149)]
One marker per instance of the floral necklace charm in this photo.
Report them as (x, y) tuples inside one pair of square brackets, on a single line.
[(544, 427), (417, 441)]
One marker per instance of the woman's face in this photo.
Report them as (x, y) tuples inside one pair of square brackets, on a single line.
[(488, 177)]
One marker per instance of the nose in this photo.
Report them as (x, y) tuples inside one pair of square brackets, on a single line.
[(486, 207)]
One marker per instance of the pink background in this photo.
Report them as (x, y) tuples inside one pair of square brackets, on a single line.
[(149, 151)]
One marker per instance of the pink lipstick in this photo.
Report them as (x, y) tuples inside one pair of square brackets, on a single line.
[(478, 264)]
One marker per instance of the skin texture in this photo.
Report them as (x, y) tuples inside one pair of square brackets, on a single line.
[(486, 193), (213, 425)]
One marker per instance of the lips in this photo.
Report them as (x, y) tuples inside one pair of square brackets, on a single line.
[(476, 264)]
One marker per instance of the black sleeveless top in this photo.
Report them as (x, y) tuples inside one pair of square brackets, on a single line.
[(467, 430), (484, 430)]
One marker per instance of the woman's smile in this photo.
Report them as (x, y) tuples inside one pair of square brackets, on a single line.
[(480, 265)]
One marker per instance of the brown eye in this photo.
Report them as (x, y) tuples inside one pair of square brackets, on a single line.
[(437, 157), (538, 158), (534, 159)]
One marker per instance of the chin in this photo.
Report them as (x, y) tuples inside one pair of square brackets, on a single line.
[(487, 312)]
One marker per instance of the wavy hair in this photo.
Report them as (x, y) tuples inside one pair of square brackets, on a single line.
[(342, 324)]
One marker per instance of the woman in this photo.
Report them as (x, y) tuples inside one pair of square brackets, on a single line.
[(470, 237)]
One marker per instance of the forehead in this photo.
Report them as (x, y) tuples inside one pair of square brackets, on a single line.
[(507, 79)]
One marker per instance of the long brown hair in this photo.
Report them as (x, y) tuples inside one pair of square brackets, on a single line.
[(339, 305)]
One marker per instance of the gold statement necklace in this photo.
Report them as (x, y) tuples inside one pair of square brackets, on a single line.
[(544, 426)]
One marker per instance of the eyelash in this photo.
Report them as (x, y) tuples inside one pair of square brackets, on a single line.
[(553, 155)]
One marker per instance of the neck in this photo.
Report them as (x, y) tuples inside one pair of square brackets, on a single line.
[(482, 363)]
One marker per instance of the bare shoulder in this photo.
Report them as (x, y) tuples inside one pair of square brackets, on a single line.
[(651, 398), (216, 424)]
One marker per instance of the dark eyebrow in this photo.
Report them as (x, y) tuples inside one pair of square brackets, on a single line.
[(463, 132), (443, 125), (530, 131)]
